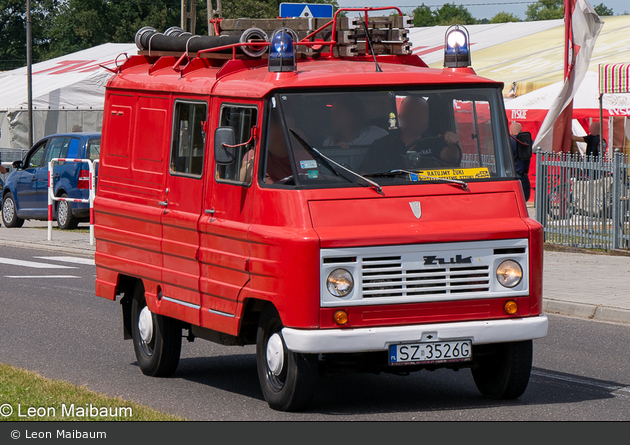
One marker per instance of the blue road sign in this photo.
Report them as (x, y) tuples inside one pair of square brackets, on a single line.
[(289, 10)]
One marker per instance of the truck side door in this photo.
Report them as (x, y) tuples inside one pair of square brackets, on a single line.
[(224, 226), (182, 208)]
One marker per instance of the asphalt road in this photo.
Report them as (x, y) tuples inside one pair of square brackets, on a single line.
[(57, 327)]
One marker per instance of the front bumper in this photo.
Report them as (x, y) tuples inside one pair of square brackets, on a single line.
[(328, 341)]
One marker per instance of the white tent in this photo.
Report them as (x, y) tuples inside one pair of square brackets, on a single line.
[(68, 91)]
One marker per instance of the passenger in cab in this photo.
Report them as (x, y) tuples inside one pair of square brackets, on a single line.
[(350, 124), (388, 153)]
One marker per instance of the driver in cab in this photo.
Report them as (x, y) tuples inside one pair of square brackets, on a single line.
[(390, 152)]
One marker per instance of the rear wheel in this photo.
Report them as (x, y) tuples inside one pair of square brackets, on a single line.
[(287, 379), (501, 371), (65, 218), (9, 212), (157, 340)]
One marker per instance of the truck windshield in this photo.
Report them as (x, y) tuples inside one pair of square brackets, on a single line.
[(391, 137)]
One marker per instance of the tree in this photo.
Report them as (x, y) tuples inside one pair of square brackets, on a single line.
[(448, 14), (545, 10), (504, 17), (602, 10)]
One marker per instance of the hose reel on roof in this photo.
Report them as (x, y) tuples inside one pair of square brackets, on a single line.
[(177, 40)]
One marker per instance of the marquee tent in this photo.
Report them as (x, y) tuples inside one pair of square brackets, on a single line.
[(68, 92)]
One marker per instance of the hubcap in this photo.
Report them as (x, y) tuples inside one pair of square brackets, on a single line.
[(62, 212), (8, 209), (275, 354), (145, 325)]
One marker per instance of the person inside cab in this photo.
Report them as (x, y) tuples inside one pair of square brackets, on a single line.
[(350, 124), (388, 153)]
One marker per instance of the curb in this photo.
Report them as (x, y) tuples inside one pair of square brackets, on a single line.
[(596, 312), (63, 248)]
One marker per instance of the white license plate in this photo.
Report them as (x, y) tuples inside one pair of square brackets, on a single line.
[(427, 353)]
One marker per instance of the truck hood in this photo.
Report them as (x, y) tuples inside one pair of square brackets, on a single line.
[(417, 219)]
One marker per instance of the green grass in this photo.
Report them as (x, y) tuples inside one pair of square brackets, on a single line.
[(27, 389), (77, 230)]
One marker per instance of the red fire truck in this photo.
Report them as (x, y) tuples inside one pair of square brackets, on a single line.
[(315, 189)]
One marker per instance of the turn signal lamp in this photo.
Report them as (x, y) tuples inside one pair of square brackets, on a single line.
[(282, 51), (510, 307), (457, 48), (341, 317)]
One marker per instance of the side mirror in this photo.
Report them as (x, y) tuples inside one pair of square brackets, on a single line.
[(223, 138), (17, 164)]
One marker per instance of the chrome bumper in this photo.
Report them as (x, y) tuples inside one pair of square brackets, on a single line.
[(378, 339)]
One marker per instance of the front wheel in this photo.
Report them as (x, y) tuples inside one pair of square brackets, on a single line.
[(287, 379), (157, 340), (502, 370), (9, 212)]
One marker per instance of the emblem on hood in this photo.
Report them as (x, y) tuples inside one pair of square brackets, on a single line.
[(416, 209)]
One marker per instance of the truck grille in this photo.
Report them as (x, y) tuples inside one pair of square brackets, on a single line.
[(386, 277)]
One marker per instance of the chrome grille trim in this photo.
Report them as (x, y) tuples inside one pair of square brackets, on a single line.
[(403, 274)]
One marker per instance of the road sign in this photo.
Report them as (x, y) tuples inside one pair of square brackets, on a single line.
[(307, 10)]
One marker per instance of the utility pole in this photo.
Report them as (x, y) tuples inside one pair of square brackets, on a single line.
[(189, 15), (29, 72)]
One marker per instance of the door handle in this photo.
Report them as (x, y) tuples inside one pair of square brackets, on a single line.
[(33, 179), (163, 203), (56, 175)]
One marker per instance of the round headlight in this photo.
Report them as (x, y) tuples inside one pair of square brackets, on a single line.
[(339, 282), (509, 273)]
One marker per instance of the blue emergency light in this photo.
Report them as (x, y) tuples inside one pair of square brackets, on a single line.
[(282, 51), (457, 49)]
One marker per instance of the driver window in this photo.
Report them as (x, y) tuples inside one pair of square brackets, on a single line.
[(37, 158), (242, 119)]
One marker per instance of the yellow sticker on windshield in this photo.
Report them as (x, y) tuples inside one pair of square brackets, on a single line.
[(456, 173)]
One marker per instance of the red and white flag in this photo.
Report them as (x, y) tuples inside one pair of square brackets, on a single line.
[(582, 26)]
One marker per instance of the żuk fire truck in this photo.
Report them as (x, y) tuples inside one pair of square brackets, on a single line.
[(313, 188)]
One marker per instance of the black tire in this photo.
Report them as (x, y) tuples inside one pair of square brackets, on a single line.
[(65, 218), (9, 212), (159, 356), (501, 371), (292, 389)]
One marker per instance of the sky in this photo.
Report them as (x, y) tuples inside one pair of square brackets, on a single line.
[(488, 10)]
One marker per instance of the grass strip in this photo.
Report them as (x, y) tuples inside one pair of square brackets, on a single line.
[(26, 395)]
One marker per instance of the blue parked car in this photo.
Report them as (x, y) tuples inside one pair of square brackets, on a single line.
[(25, 191)]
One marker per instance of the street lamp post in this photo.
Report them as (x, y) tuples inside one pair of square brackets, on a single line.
[(29, 72)]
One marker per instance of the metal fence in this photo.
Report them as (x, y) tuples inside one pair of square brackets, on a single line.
[(583, 201), (8, 155)]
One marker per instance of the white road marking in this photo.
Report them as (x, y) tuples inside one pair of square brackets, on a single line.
[(68, 259), (584, 381), (33, 264), (40, 276)]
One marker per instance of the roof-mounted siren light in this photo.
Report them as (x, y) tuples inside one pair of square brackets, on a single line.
[(282, 51), (457, 48)]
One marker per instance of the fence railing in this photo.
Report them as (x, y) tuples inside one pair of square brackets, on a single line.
[(583, 201), (91, 195)]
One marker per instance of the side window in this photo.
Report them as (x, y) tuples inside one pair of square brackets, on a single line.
[(242, 120), (71, 150), (188, 138), (93, 149), (56, 147), (37, 158)]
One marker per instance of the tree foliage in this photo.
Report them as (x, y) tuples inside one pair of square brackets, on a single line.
[(545, 10), (602, 10), (504, 17), (447, 14)]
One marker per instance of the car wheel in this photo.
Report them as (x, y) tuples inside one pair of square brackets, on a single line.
[(502, 370), (287, 379), (9, 212), (157, 340), (65, 218)]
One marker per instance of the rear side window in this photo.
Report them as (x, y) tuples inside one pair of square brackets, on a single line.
[(93, 149), (189, 138), (242, 119), (56, 148), (71, 150)]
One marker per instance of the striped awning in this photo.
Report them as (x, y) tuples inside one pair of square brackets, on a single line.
[(614, 78)]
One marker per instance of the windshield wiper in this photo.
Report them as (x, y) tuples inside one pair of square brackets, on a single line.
[(329, 162), (462, 184)]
